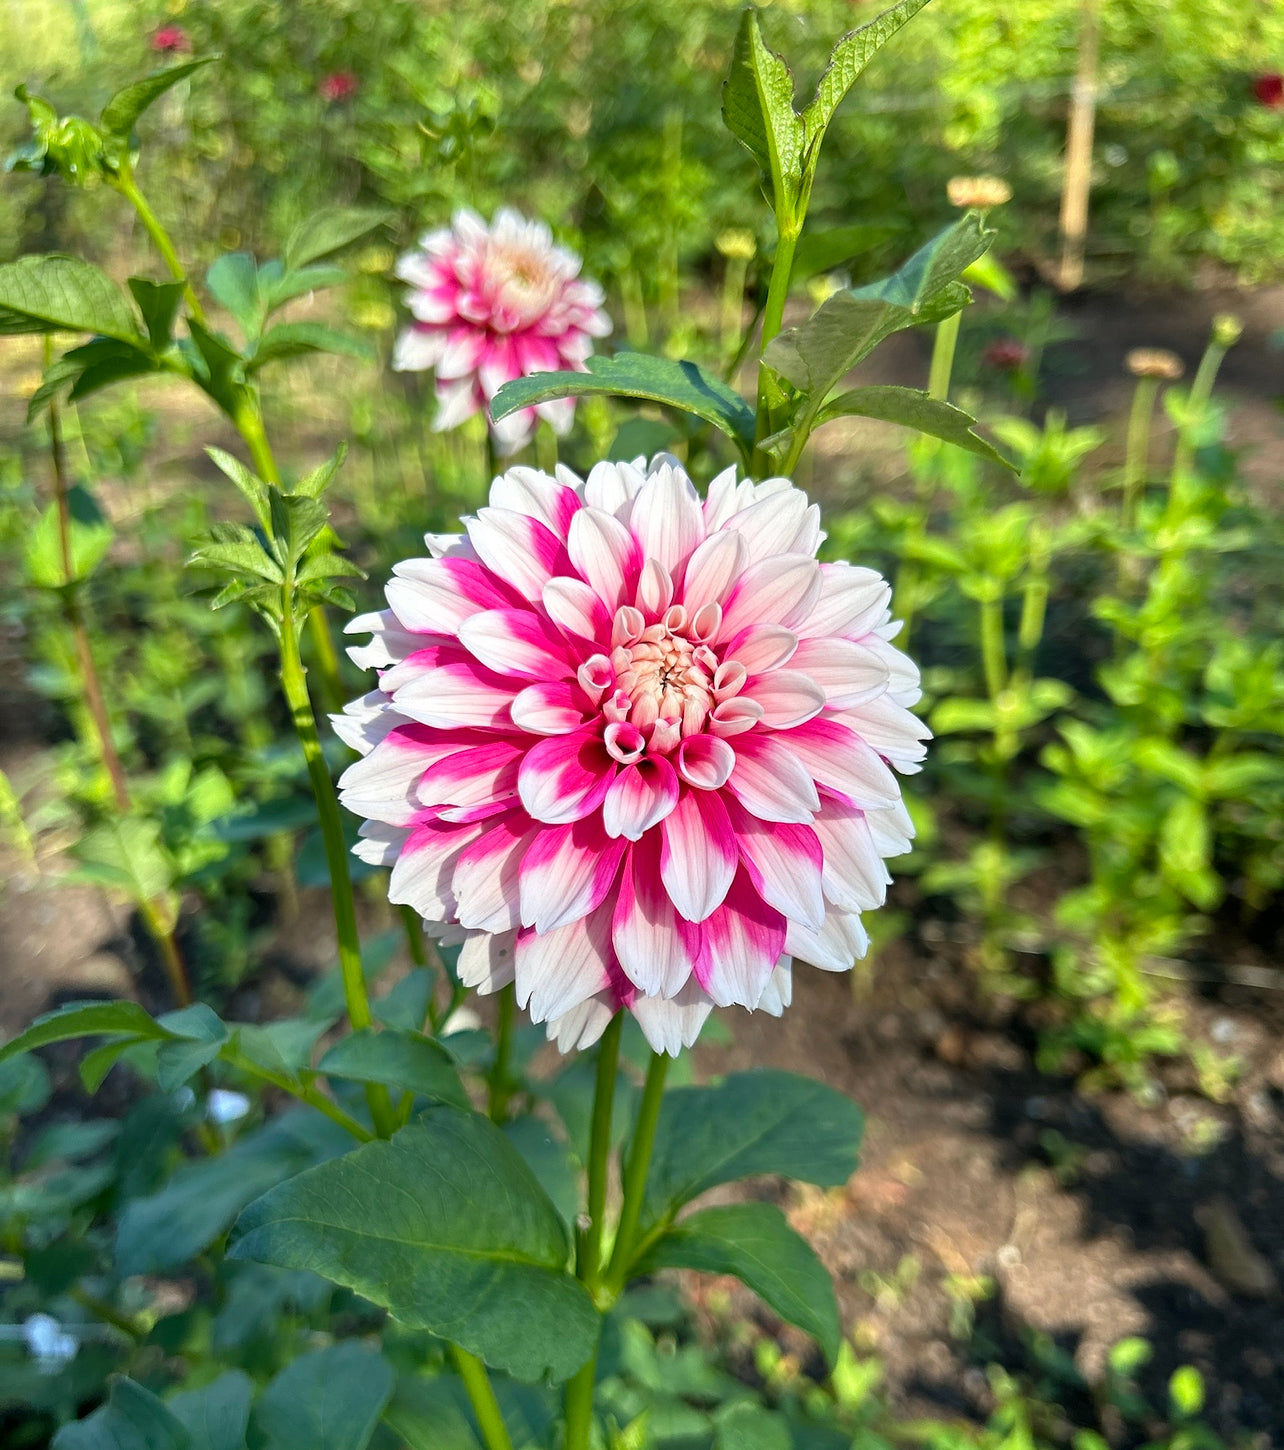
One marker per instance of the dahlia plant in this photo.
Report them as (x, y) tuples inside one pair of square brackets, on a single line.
[(631, 752)]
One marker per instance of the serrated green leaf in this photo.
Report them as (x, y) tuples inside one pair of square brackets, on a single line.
[(61, 292), (159, 303), (132, 1419), (328, 566), (123, 110), (216, 1415), (750, 1123), (296, 339), (328, 231), (753, 1242), (233, 280), (848, 59), (243, 557), (912, 408), (446, 1227), (330, 1399), (126, 854), (398, 1059), (315, 483), (681, 385), (758, 108), (89, 537), (849, 325), (296, 522), (252, 487)]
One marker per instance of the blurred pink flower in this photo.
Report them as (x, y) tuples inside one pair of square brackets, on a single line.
[(632, 748), (170, 40), (340, 85), (1007, 354), (1269, 90), (495, 303)]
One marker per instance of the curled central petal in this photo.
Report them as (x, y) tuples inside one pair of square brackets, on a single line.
[(664, 678), (631, 748)]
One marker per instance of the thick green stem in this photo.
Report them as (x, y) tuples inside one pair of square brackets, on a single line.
[(482, 1397), (500, 1085), (124, 184), (938, 378), (295, 686), (588, 1245), (1201, 391), (635, 1172), (993, 658), (305, 1094), (772, 317), (1137, 457)]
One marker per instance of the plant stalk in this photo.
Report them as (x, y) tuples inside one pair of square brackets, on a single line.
[(499, 1085), (943, 348), (635, 1171), (482, 1397), (1201, 391), (295, 686), (1137, 456), (772, 317), (588, 1245), (125, 184)]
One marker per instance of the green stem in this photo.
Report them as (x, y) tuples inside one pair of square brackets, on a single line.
[(499, 1084), (109, 1314), (305, 1094), (938, 378), (635, 1171), (1136, 459), (124, 183), (772, 317), (295, 686), (588, 1239), (482, 1397), (1201, 390), (993, 659)]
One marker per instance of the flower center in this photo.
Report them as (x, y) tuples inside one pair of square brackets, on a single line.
[(526, 285)]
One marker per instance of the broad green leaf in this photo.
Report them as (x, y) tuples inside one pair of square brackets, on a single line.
[(65, 293), (277, 286), (750, 1123), (96, 1064), (681, 385), (296, 339), (912, 409), (70, 1142), (431, 1414), (196, 1206), (89, 536), (849, 325), (24, 1083), (84, 1019), (406, 1004), (216, 366), (58, 375), (330, 1399), (125, 107), (749, 1426), (758, 108), (824, 251), (126, 854), (753, 1242), (94, 365), (284, 1046), (233, 280), (159, 303), (1185, 853), (132, 1419), (200, 1035), (446, 1228), (398, 1059), (328, 231), (549, 1159), (846, 62), (113, 370), (215, 1416)]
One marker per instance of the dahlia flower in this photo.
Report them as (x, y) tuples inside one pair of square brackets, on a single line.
[(491, 304), (632, 748)]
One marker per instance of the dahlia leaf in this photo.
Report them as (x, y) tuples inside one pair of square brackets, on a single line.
[(121, 113), (296, 339), (758, 108), (750, 1123), (53, 292), (912, 408), (215, 1416), (233, 281), (754, 1242), (314, 484), (849, 325), (681, 385), (84, 1019), (447, 1228), (132, 1416), (89, 536), (848, 59), (398, 1059), (250, 484), (217, 366), (126, 854), (277, 286), (158, 302), (330, 1399), (328, 231)]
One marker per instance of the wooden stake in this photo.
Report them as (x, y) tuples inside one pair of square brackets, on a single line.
[(1079, 132)]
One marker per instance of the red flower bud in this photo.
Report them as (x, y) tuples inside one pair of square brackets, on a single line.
[(1269, 90), (170, 40), (340, 85)]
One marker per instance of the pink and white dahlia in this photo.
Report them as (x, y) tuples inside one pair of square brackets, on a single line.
[(632, 748), (495, 303)]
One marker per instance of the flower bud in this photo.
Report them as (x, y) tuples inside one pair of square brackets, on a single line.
[(1227, 329), (977, 191), (737, 244), (1154, 362)]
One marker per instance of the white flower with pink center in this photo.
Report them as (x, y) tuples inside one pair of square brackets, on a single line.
[(491, 304), (635, 749)]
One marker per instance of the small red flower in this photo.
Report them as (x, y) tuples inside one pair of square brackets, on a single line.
[(340, 85), (1006, 354), (1269, 90), (170, 40)]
